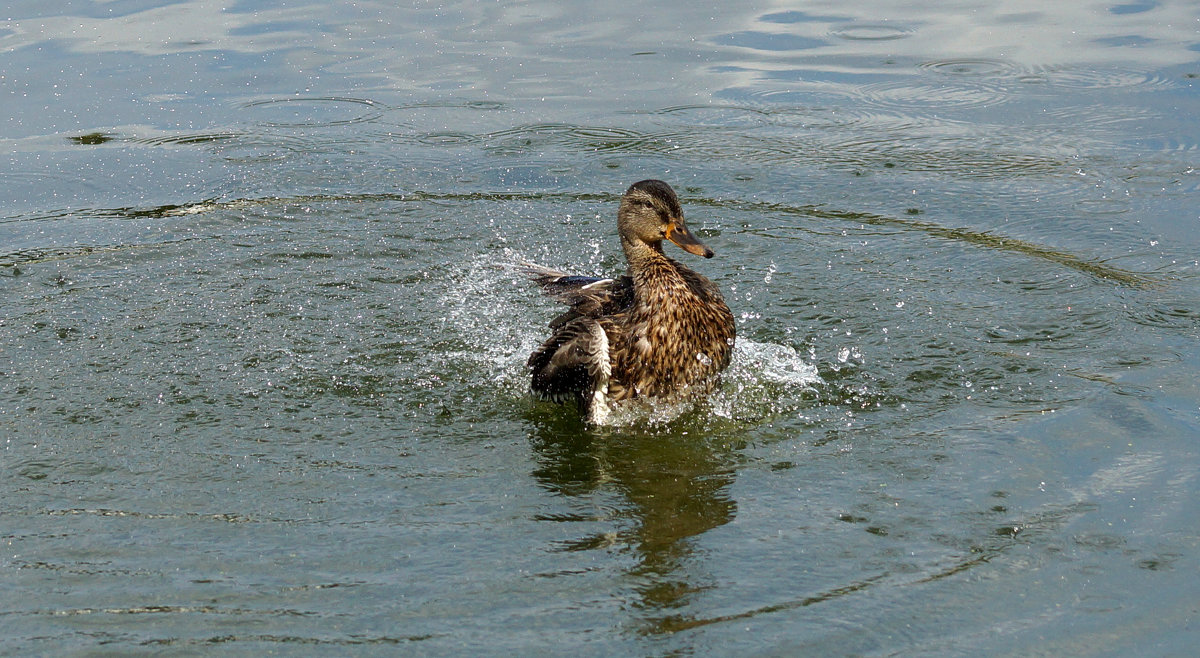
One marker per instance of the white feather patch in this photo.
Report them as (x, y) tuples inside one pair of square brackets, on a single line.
[(596, 283), (598, 410), (601, 355)]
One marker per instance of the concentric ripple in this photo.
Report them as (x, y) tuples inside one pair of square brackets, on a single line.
[(973, 67), (715, 115), (871, 32), (316, 112), (1107, 78), (907, 94)]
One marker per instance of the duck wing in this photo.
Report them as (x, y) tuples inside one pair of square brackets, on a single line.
[(575, 364), (588, 296), (572, 361)]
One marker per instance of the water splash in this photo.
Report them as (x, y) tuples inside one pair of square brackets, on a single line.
[(765, 379), (495, 337), (490, 312)]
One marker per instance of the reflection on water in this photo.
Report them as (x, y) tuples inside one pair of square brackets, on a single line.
[(677, 488), (259, 315)]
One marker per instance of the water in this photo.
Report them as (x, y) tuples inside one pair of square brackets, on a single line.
[(262, 343)]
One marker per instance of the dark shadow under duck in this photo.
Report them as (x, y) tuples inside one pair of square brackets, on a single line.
[(660, 332)]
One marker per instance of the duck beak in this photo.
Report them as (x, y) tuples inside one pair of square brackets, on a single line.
[(678, 233)]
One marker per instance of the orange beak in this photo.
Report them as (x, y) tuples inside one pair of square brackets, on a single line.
[(678, 233)]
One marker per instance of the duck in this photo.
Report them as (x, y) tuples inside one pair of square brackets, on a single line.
[(660, 332)]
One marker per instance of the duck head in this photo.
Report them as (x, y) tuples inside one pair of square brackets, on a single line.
[(650, 213)]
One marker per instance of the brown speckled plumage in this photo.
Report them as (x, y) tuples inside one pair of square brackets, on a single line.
[(662, 331)]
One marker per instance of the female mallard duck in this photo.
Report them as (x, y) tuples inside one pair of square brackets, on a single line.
[(661, 331)]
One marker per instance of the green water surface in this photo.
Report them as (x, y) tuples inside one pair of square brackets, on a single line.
[(262, 344)]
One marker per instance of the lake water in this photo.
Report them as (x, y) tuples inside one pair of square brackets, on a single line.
[(262, 347)]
